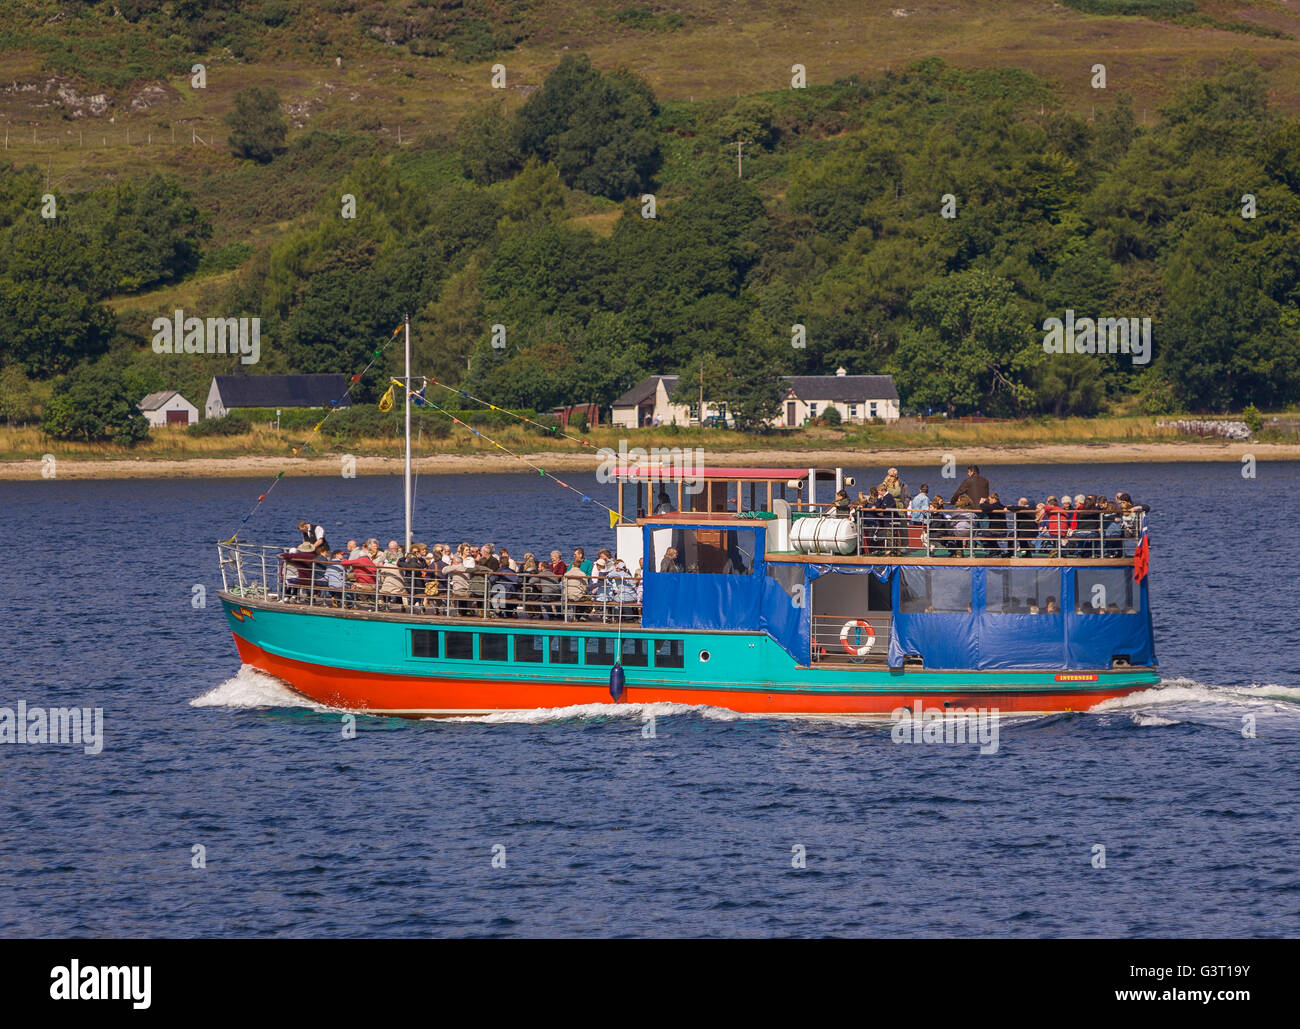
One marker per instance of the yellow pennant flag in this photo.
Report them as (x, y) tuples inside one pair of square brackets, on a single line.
[(613, 519), (386, 401)]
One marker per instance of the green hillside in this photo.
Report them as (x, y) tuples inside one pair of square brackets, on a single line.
[(521, 206)]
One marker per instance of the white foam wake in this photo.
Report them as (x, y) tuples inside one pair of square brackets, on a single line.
[(252, 688)]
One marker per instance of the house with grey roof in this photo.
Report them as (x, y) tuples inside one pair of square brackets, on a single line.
[(650, 402), (168, 407), (232, 392), (858, 398)]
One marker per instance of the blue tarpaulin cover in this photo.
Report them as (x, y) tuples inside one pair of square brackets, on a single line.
[(978, 639)]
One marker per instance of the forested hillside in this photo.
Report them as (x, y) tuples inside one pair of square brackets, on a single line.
[(556, 243)]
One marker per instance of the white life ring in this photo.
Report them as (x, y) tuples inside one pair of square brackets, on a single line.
[(863, 650)]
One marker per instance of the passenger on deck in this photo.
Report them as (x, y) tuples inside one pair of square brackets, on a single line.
[(575, 585), (961, 523), (664, 504), (1024, 526), (669, 561), (918, 510), (841, 507), (364, 570), (414, 574), (332, 573), (974, 486), (1053, 607), (458, 594), (503, 588), (993, 531), (580, 561), (312, 534)]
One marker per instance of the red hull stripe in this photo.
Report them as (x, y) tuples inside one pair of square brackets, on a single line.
[(371, 691)]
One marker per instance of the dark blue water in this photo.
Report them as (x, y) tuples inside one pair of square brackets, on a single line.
[(606, 832)]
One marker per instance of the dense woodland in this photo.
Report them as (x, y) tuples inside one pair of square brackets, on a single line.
[(532, 217)]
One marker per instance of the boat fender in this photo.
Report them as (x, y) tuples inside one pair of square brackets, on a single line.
[(616, 683), (866, 628)]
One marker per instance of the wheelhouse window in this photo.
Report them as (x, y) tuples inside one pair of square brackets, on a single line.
[(458, 645), (935, 591), (1023, 591), (669, 654), (1105, 591), (713, 551), (529, 647), (424, 643), (492, 646)]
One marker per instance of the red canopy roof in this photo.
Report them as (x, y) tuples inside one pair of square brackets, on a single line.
[(673, 473)]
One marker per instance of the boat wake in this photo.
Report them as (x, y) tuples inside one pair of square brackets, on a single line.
[(251, 688), (1178, 701)]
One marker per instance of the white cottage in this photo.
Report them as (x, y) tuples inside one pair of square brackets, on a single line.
[(858, 398), (650, 402), (167, 407)]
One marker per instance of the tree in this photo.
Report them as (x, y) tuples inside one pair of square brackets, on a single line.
[(257, 127), (597, 129), (92, 405), (969, 348), (49, 317), (489, 151)]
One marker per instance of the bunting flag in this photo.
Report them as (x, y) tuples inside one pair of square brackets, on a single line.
[(542, 472), (553, 429), (386, 401), (1141, 560)]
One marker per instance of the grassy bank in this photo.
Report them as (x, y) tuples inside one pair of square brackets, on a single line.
[(26, 443)]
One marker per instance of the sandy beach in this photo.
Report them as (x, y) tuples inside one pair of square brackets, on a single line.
[(461, 464)]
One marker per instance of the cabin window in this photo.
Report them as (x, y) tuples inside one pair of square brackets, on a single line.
[(458, 645), (1023, 591), (714, 551), (492, 646), (1105, 591), (424, 643), (935, 590), (529, 647), (636, 653), (668, 654), (564, 649), (601, 650)]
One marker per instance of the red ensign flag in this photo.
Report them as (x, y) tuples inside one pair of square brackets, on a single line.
[(1141, 560)]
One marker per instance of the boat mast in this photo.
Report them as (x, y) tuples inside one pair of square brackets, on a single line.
[(407, 398)]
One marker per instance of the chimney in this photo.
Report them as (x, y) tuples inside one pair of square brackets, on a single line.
[(840, 371)]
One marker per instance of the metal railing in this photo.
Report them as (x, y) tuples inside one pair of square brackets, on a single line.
[(293, 578), (971, 534), (850, 639)]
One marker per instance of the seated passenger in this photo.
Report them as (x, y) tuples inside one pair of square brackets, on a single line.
[(664, 505)]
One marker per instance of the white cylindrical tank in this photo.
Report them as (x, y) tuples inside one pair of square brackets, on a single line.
[(823, 535)]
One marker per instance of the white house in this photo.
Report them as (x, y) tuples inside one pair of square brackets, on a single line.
[(167, 407), (858, 398), (650, 402)]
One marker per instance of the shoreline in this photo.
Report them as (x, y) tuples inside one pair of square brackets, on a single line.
[(570, 461)]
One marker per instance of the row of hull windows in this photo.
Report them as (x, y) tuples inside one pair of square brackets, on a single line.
[(1018, 591), (528, 648)]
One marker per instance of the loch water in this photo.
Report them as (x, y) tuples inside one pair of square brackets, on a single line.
[(698, 831)]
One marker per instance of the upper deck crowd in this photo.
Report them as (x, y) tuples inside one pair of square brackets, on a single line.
[(974, 522)]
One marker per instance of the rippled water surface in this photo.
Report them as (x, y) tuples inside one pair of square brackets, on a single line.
[(605, 832)]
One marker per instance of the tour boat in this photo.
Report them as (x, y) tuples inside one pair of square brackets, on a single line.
[(753, 597)]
